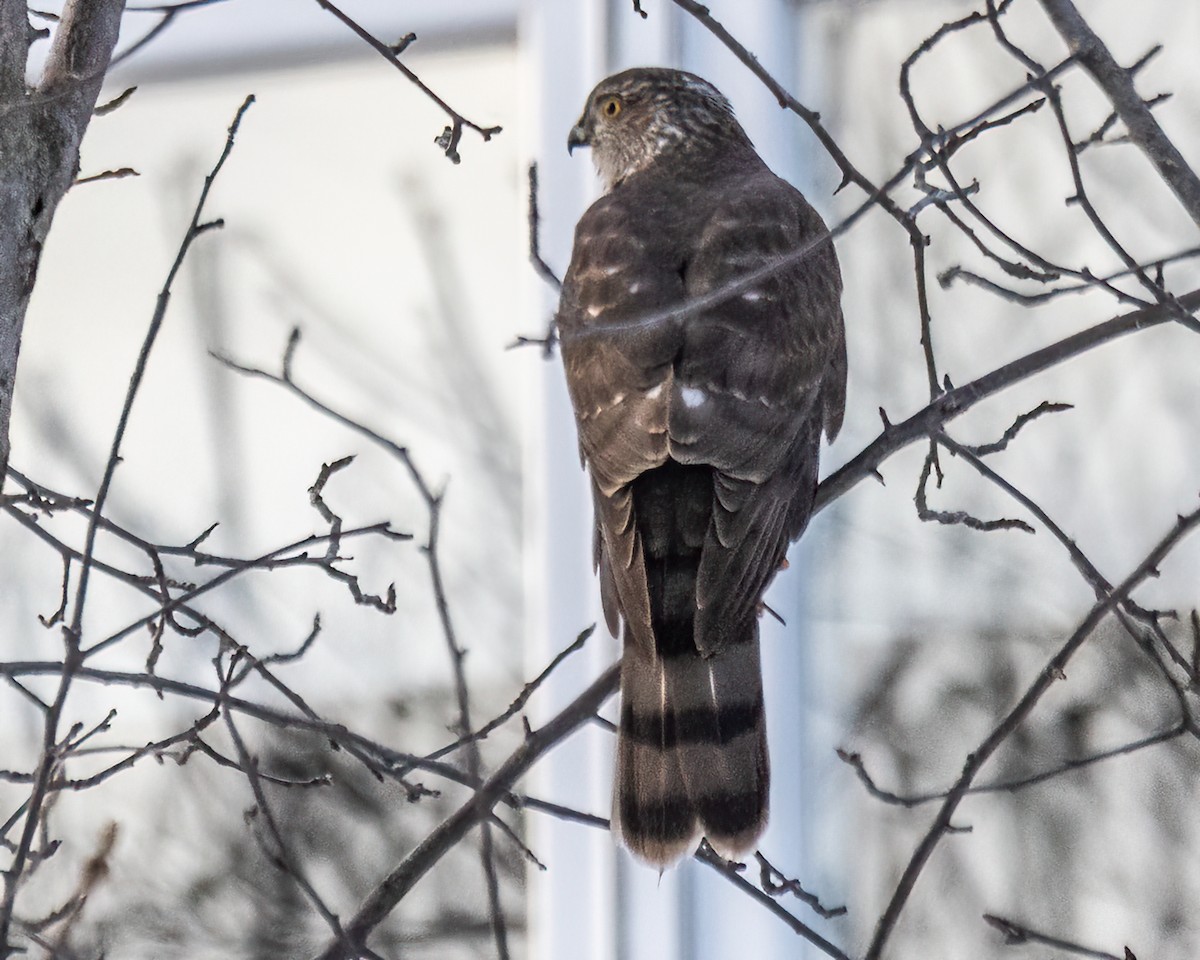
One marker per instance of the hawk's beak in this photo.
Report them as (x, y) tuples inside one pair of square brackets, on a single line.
[(578, 137)]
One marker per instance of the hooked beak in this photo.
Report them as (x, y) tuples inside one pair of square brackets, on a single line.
[(578, 137)]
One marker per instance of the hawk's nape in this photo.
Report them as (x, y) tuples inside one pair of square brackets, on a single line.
[(705, 355)]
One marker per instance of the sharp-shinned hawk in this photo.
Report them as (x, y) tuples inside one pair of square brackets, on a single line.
[(700, 403)]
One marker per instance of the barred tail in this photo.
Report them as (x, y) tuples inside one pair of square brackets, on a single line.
[(692, 747), (692, 754)]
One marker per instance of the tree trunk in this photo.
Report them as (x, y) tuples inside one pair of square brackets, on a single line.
[(40, 132)]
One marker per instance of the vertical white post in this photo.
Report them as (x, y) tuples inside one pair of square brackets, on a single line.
[(572, 912)]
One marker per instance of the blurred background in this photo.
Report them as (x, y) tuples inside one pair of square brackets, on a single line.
[(408, 277)]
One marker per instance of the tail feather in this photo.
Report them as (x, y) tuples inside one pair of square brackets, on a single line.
[(721, 737), (653, 815), (692, 751)]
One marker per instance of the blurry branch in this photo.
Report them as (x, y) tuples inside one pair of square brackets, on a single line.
[(478, 808), (449, 138), (167, 13), (549, 339), (1017, 935), (910, 801), (1098, 137), (1117, 84), (119, 174), (1051, 673), (104, 109), (273, 843), (95, 871)]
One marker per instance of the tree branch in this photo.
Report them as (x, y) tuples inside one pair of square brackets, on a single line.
[(949, 405), (449, 138), (397, 883), (1117, 83), (1016, 934)]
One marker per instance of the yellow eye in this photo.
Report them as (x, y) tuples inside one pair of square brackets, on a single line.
[(610, 106)]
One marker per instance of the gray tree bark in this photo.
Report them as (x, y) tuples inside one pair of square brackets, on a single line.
[(40, 131)]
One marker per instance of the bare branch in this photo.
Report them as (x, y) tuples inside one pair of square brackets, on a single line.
[(958, 516), (1017, 935), (396, 885), (522, 698), (984, 449), (449, 138), (104, 109), (535, 251), (948, 406), (119, 174), (1117, 84), (774, 882), (1011, 785), (732, 872)]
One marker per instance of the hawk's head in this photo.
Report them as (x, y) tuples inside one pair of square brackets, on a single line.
[(635, 117)]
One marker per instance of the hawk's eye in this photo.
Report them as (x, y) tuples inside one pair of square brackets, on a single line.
[(610, 106)]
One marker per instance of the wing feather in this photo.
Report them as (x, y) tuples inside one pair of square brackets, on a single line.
[(746, 385), (764, 371)]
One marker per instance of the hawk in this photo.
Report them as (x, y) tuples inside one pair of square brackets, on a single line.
[(700, 402)]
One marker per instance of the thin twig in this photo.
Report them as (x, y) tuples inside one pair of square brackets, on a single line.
[(449, 138), (1016, 934)]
